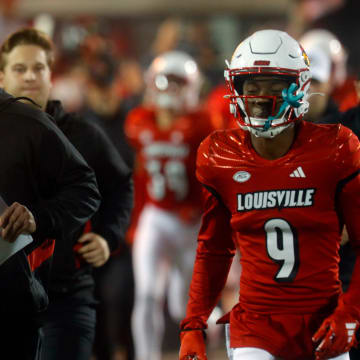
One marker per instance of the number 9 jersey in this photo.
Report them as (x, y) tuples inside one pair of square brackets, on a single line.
[(166, 159), (287, 214)]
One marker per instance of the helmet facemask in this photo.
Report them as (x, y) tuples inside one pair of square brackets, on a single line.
[(174, 82), (170, 91), (265, 115), (268, 55)]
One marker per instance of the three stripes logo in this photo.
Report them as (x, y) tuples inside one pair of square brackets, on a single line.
[(298, 173), (351, 328)]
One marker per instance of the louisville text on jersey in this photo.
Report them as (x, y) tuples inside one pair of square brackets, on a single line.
[(287, 198)]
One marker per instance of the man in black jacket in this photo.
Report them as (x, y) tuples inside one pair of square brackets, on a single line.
[(103, 108), (70, 322), (51, 191)]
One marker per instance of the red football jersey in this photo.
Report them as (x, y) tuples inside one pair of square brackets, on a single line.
[(287, 214), (345, 96), (167, 158)]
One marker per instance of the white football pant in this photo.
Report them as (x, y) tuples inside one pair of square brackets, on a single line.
[(251, 353), (163, 253)]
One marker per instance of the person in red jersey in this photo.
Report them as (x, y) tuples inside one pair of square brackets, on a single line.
[(286, 187), (166, 133)]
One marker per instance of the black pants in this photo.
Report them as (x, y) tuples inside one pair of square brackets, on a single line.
[(115, 292), (69, 331), (346, 266), (19, 339), (354, 354)]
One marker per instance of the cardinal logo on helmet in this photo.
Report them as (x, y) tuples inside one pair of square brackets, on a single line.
[(306, 58)]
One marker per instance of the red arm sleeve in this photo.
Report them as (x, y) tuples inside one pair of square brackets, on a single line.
[(214, 256), (350, 205), (348, 193)]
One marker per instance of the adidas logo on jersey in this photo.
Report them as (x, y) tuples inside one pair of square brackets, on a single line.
[(298, 173)]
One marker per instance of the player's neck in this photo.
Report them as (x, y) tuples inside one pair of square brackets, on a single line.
[(165, 118), (275, 148)]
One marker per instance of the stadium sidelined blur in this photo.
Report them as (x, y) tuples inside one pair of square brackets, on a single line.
[(128, 35), (103, 49)]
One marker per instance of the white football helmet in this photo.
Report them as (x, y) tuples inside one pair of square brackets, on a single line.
[(326, 42), (269, 53), (174, 81)]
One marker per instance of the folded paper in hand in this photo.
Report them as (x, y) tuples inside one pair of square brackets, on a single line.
[(8, 249)]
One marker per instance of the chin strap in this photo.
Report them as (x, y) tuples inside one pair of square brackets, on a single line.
[(289, 99)]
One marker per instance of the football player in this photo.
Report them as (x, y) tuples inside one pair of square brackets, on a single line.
[(340, 83), (166, 133), (286, 187)]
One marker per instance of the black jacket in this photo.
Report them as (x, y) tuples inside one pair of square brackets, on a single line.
[(113, 125), (349, 118), (43, 171), (116, 188), (332, 114)]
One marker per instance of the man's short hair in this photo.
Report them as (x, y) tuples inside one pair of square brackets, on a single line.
[(27, 36)]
